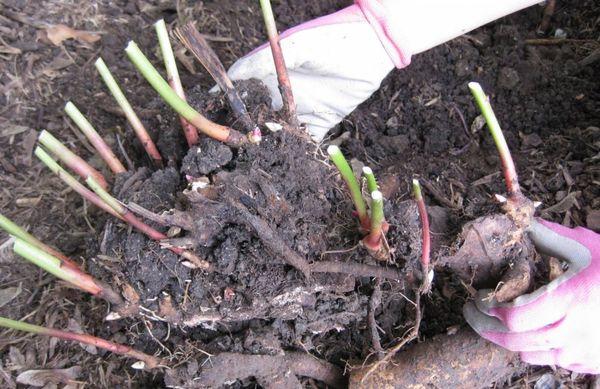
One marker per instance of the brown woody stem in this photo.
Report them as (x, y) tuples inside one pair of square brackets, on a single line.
[(195, 42)]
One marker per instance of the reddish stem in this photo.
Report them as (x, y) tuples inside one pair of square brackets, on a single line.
[(426, 245), (190, 132), (149, 361), (285, 87)]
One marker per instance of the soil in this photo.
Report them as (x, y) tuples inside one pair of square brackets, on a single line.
[(282, 197)]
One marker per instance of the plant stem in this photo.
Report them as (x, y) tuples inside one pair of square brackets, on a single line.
[(373, 240), (348, 175), (74, 162), (195, 42), (371, 182), (132, 117), (285, 87), (55, 266), (136, 223), (149, 361), (72, 182), (191, 134), (214, 130), (95, 139), (13, 229), (508, 166), (426, 245)]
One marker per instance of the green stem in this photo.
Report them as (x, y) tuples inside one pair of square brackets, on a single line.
[(56, 267), (130, 114), (211, 129), (69, 158), (173, 78), (72, 182), (13, 229), (95, 139), (348, 175), (508, 166), (371, 181), (105, 196)]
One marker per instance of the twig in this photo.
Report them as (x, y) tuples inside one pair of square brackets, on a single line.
[(191, 135), (355, 269), (546, 17), (374, 303), (285, 87), (195, 42)]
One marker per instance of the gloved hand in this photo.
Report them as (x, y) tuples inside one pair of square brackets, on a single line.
[(337, 61), (558, 323)]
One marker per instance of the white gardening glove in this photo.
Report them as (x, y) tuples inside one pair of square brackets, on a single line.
[(337, 61)]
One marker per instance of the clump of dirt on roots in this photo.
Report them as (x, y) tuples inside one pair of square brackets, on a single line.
[(248, 211)]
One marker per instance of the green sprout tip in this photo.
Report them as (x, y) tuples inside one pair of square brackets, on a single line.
[(348, 175)]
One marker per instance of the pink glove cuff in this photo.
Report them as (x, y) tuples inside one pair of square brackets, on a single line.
[(387, 29)]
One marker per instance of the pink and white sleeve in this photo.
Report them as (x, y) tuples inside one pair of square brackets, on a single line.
[(407, 27)]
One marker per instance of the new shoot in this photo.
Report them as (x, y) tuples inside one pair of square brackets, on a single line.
[(373, 241), (285, 87), (348, 175), (145, 361), (518, 207), (13, 229), (191, 134), (132, 117), (370, 177), (133, 221), (508, 166), (214, 130), (56, 267), (95, 139), (69, 158)]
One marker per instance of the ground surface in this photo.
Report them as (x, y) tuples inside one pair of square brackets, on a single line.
[(544, 95)]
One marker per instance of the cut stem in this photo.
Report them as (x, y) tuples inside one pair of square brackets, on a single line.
[(374, 239), (136, 223), (508, 166), (72, 182), (426, 245), (148, 361), (69, 158), (13, 229), (191, 134), (195, 42), (214, 130), (348, 175), (58, 268), (132, 117), (285, 87), (371, 181), (95, 139)]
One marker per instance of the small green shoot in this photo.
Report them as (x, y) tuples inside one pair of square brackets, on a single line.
[(371, 181), (348, 175)]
